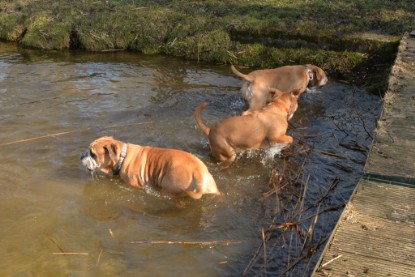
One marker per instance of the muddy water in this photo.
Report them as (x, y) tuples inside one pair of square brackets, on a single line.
[(52, 105)]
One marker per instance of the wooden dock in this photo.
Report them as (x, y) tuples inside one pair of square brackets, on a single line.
[(375, 235)]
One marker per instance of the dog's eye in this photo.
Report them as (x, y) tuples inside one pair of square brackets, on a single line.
[(106, 150)]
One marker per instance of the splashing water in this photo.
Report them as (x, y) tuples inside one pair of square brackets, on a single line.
[(271, 152)]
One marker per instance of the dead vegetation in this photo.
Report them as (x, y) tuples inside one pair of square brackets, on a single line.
[(291, 238)]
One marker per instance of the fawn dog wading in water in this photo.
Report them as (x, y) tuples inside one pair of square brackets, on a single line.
[(251, 129), (255, 87)]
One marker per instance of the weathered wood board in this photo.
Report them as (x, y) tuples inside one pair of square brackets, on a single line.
[(376, 234), (393, 150)]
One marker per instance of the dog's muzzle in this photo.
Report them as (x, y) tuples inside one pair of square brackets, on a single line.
[(88, 161)]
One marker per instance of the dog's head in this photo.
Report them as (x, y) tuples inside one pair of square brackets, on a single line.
[(291, 98), (319, 77), (103, 154)]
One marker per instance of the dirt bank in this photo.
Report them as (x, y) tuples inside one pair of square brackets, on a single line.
[(352, 40)]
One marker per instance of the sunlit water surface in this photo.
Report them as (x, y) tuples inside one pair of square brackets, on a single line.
[(54, 104)]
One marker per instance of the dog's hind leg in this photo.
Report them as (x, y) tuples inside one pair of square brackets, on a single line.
[(228, 156), (288, 140), (257, 102), (223, 153)]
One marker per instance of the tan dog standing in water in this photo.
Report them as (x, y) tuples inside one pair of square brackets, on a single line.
[(173, 172), (255, 88), (250, 130)]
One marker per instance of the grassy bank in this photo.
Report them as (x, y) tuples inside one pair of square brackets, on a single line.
[(347, 38)]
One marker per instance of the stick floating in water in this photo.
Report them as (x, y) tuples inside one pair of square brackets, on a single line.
[(68, 132), (209, 243)]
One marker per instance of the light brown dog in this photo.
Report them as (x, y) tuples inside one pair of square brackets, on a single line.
[(256, 85), (173, 172), (250, 130)]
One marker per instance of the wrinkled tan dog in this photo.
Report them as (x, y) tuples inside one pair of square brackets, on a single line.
[(173, 172), (256, 86), (250, 130)]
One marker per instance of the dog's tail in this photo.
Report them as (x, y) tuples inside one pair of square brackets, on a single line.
[(243, 76), (199, 120)]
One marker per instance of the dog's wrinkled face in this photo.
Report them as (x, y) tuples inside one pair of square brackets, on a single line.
[(88, 160), (101, 155)]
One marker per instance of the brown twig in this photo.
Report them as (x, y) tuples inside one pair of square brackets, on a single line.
[(311, 231), (57, 245), (71, 253), (302, 199), (264, 243), (320, 242), (290, 225), (256, 254), (111, 233), (293, 265), (204, 243), (99, 256), (364, 127), (253, 260), (355, 147), (275, 190), (331, 154), (344, 168), (68, 132), (334, 183), (339, 128), (329, 262), (321, 212)]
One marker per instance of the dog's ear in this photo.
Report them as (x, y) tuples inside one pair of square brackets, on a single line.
[(296, 92), (294, 95), (318, 73), (112, 150), (275, 92)]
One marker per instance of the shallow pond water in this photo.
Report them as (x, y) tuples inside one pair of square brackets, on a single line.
[(53, 104)]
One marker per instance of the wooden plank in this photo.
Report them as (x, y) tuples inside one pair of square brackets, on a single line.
[(380, 227), (351, 264), (404, 139), (376, 234), (392, 160), (393, 150), (395, 213), (379, 243), (399, 120), (385, 196), (381, 216), (397, 133)]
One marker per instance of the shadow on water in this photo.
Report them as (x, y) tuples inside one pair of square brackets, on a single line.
[(55, 103)]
